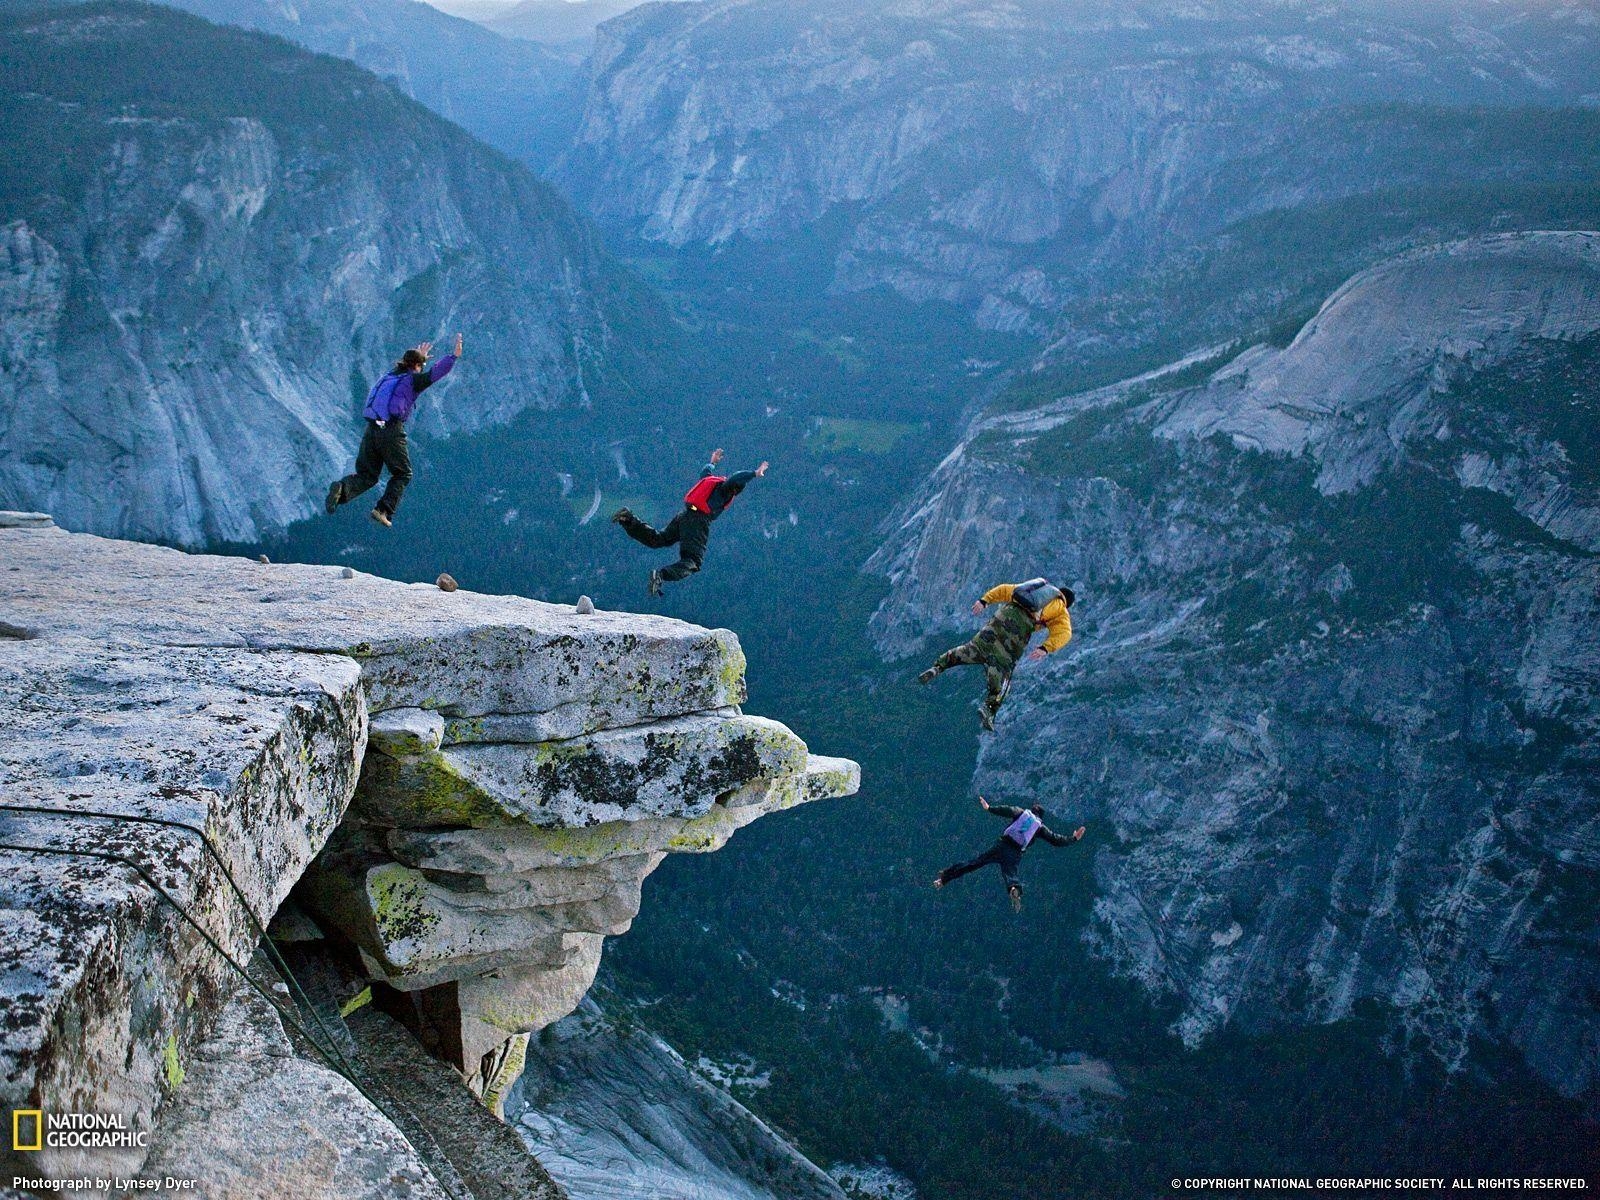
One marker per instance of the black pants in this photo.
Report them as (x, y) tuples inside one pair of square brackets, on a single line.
[(381, 446), (1005, 852), (689, 531)]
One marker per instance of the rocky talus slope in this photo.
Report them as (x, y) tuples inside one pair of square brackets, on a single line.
[(614, 1112), (462, 792), (1335, 691)]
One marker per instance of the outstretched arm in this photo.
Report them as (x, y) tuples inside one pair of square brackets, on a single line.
[(426, 379), (998, 594), (1000, 810), (1056, 839), (722, 495)]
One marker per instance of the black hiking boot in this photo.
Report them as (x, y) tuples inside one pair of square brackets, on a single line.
[(929, 675), (621, 515), (335, 497), (655, 583)]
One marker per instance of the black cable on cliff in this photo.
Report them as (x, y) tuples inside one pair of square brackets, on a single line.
[(297, 994), (144, 876)]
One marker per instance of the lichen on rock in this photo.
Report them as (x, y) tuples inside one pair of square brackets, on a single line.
[(466, 791)]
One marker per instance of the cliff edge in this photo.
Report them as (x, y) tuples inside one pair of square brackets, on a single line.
[(452, 797)]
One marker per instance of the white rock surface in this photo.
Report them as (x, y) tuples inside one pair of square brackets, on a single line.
[(524, 769), (463, 654), (99, 977), (252, 1114), (1371, 372), (616, 1113)]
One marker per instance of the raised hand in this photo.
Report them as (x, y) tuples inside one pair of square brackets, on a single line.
[(1036, 654), (977, 607), (458, 346), (984, 804), (425, 349), (716, 455), (762, 469), (1077, 834)]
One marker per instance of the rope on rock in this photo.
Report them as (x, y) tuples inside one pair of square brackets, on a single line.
[(342, 1067)]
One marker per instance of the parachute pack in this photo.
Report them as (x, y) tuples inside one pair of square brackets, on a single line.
[(377, 407), (1021, 830), (699, 496), (1036, 595)]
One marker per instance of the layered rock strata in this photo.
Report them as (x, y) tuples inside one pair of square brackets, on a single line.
[(526, 768)]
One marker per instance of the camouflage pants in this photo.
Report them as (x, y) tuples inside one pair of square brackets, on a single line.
[(996, 648)]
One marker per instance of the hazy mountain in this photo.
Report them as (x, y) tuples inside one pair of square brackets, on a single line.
[(505, 91), (210, 243), (1009, 157), (556, 22), (1335, 693)]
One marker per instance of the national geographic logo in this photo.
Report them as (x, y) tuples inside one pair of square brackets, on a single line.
[(23, 1120), (33, 1129)]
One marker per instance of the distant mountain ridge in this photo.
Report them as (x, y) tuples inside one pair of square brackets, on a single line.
[(500, 89), (1007, 157), (556, 22)]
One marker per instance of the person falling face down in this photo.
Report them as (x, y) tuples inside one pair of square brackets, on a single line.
[(1026, 826), (690, 529), (1022, 610)]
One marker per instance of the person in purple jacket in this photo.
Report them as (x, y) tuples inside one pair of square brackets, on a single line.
[(389, 405), (1026, 824)]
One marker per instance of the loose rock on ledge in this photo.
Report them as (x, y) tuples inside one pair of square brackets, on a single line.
[(522, 772), (447, 583)]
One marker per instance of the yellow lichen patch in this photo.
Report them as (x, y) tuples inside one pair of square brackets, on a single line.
[(704, 834), (400, 909), (171, 1067), (731, 674), (506, 1073)]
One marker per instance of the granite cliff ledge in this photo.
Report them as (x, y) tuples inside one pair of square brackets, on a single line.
[(457, 796)]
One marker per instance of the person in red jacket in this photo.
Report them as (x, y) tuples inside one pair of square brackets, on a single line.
[(1025, 825), (690, 530)]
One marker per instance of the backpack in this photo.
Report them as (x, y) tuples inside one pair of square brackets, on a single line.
[(1021, 830), (699, 496), (1035, 596), (378, 398)]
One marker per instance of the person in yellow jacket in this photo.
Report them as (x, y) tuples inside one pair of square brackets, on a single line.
[(1024, 609)]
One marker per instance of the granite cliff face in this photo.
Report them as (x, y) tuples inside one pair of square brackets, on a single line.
[(463, 793), (1008, 156), (614, 1112), (197, 287), (1334, 693)]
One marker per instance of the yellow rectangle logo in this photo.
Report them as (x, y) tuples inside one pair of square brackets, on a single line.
[(17, 1117)]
